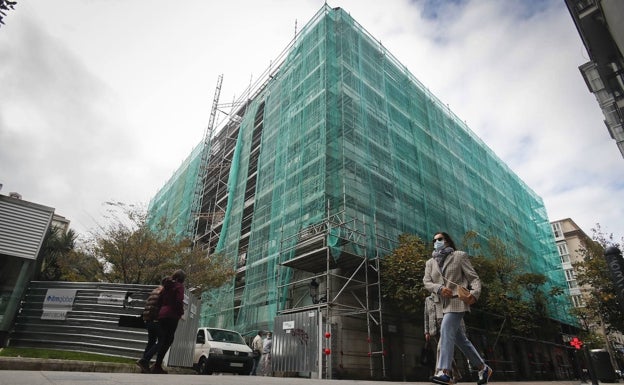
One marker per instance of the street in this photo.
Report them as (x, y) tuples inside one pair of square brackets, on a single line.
[(27, 377)]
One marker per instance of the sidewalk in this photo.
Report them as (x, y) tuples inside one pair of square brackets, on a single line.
[(31, 371), (25, 377)]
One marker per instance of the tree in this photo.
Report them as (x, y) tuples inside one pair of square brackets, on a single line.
[(402, 273), (56, 245), (80, 266), (130, 252), (510, 289), (601, 304)]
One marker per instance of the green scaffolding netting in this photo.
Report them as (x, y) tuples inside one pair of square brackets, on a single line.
[(172, 204), (342, 126)]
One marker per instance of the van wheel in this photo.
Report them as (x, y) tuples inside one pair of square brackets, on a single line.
[(202, 366)]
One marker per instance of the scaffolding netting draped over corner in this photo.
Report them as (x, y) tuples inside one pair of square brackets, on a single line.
[(342, 127)]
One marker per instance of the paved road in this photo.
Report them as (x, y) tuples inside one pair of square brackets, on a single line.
[(29, 377)]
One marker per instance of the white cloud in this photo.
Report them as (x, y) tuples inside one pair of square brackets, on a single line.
[(106, 98)]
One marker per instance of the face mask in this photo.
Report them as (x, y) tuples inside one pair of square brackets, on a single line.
[(438, 245)]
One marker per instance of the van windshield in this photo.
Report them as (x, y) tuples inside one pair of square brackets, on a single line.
[(225, 336)]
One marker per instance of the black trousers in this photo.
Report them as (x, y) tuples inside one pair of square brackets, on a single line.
[(168, 327)]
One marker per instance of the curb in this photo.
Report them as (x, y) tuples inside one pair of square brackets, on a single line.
[(45, 364), (50, 364)]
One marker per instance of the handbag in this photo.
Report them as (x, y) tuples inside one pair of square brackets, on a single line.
[(426, 355), (463, 294)]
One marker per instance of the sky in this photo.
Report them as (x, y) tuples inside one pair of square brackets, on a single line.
[(102, 100)]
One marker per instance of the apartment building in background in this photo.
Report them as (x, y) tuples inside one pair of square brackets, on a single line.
[(570, 240), (600, 24)]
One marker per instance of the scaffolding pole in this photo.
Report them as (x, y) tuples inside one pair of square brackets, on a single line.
[(200, 183)]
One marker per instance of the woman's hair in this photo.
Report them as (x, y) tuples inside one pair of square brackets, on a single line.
[(447, 239), (179, 276)]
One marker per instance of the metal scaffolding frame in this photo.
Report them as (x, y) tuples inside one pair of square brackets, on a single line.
[(351, 281)]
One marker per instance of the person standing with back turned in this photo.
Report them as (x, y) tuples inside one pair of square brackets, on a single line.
[(171, 310), (256, 347), (150, 317), (446, 273)]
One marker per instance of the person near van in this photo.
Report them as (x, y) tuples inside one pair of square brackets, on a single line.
[(150, 317), (267, 345), (256, 347), (171, 302)]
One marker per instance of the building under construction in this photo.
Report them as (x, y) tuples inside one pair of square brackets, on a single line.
[(319, 167)]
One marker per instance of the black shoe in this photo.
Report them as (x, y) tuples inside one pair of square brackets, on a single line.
[(143, 365), (442, 379), (484, 375), (157, 369)]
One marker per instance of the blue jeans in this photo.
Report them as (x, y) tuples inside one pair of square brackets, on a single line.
[(254, 368), (451, 334)]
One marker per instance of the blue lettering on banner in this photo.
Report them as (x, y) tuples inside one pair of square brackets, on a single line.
[(59, 298), (53, 298)]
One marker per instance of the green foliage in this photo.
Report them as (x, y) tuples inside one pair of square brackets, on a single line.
[(128, 251), (57, 244), (80, 266), (402, 274), (509, 289), (602, 305), (589, 337)]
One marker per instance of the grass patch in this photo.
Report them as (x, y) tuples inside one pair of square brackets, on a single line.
[(62, 355)]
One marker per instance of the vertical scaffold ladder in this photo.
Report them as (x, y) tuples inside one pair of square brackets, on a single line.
[(200, 183)]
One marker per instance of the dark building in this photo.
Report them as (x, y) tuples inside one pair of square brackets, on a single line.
[(600, 24)]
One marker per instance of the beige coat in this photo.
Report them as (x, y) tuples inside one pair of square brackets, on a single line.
[(433, 314), (458, 269)]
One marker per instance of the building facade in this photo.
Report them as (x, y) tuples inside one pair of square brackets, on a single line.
[(313, 177), (600, 24), (23, 226), (570, 241)]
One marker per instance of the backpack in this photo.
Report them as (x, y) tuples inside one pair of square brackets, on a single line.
[(152, 305)]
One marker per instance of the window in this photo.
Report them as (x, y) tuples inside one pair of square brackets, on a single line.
[(563, 252), (570, 278), (577, 301), (569, 273), (556, 228)]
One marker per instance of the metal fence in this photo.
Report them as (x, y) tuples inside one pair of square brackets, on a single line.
[(102, 318), (296, 343)]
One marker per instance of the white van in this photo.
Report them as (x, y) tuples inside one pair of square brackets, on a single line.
[(221, 350)]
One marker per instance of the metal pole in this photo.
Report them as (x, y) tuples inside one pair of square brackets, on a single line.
[(320, 343), (578, 367)]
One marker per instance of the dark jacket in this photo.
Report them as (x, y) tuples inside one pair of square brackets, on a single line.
[(171, 300), (150, 312)]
